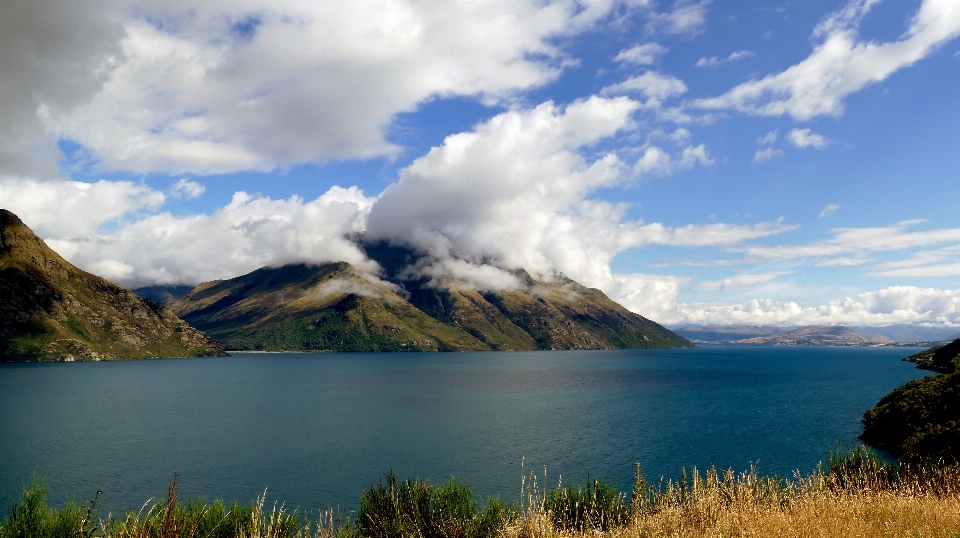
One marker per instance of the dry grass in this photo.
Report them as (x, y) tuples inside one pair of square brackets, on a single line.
[(856, 496)]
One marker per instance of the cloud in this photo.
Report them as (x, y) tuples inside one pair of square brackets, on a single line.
[(888, 306), (685, 18), (185, 188), (184, 87), (248, 233), (63, 209), (805, 138), (53, 55), (841, 64), (656, 161), (766, 154), (714, 61), (646, 54), (849, 241), (830, 209), (926, 263), (769, 138), (656, 87), (747, 280)]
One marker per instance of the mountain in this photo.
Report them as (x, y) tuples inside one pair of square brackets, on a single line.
[(163, 294), (334, 306), (814, 335), (725, 333), (51, 310)]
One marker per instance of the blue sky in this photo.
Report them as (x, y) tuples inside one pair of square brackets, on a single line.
[(701, 162)]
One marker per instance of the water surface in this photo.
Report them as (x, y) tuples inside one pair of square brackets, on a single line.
[(317, 428)]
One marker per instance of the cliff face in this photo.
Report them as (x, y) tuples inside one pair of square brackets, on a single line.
[(51, 310), (336, 307)]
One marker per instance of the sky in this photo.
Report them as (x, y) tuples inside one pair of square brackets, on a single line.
[(749, 162)]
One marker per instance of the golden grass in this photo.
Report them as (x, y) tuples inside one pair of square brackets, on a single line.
[(846, 503)]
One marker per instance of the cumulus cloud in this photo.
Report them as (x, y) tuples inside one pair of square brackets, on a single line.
[(656, 87), (516, 193), (645, 54), (248, 233), (63, 209), (805, 138), (715, 61), (842, 64), (184, 188), (830, 209), (184, 87), (888, 306), (766, 154)]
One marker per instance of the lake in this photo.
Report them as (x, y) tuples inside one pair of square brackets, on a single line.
[(315, 429)]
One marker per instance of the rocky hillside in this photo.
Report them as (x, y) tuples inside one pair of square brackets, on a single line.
[(814, 335), (336, 307), (53, 311)]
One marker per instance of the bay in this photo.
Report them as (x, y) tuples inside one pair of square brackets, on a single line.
[(315, 429)]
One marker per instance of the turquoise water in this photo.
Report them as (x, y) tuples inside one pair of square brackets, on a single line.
[(317, 428)]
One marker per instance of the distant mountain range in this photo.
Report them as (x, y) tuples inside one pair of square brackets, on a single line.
[(51, 310), (336, 307), (817, 335)]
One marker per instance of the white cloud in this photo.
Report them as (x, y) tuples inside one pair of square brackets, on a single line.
[(805, 138), (178, 86), (746, 280), (830, 209), (769, 138), (185, 188), (656, 87), (841, 64), (248, 233), (766, 154), (849, 241), (656, 161), (925, 263), (888, 306), (685, 18), (842, 262), (646, 54), (63, 209), (714, 61)]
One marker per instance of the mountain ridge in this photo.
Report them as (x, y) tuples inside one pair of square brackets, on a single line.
[(52, 311), (335, 306)]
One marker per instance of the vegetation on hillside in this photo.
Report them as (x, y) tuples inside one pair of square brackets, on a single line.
[(50, 310), (857, 495), (920, 421), (336, 307)]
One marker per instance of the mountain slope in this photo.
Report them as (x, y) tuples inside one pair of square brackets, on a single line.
[(51, 310), (336, 307), (813, 335)]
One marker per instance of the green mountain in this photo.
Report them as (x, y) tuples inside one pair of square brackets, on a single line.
[(51, 310), (337, 307)]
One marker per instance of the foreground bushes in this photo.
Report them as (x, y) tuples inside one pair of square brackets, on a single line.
[(856, 495)]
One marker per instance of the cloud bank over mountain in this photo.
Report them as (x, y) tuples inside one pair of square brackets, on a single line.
[(125, 118)]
